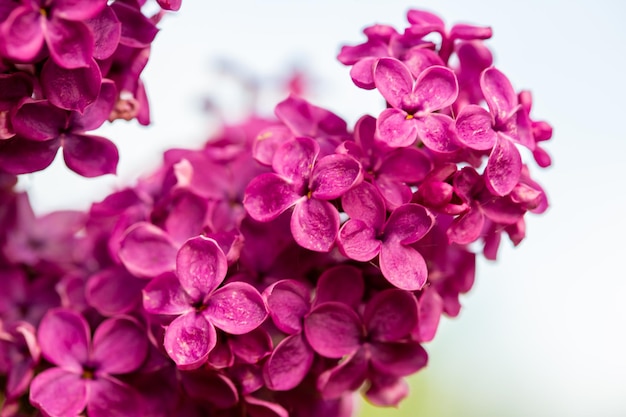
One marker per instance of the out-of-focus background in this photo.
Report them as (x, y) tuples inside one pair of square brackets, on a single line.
[(543, 332)]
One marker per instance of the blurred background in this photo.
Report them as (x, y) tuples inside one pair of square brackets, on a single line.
[(543, 333)]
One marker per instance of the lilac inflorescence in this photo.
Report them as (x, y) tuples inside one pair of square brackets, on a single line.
[(284, 266), (66, 67)]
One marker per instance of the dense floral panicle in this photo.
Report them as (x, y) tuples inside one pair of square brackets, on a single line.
[(284, 265)]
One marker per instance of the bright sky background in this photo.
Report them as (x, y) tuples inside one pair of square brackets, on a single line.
[(544, 331)]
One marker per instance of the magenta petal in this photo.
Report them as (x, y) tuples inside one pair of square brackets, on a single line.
[(295, 158), (267, 196), (315, 224), (113, 291), (289, 363), (110, 397), (267, 141), (64, 338), (398, 359), (409, 165), (358, 241), (393, 79), (437, 132), (201, 266), (436, 88), (362, 73), (365, 203), (90, 156), (333, 329), (403, 266), (395, 130), (173, 5), (106, 29), (22, 34), (137, 30), (39, 120), (70, 43), (236, 308), (147, 251), (333, 175), (59, 392), (288, 301), (474, 128), (213, 387), (394, 193), (119, 346), (164, 295), (71, 89), (78, 9), (345, 377), (21, 156), (386, 390), (499, 93), (408, 223), (504, 167), (97, 112), (189, 339), (390, 315), (260, 408), (467, 228), (342, 283), (251, 347)]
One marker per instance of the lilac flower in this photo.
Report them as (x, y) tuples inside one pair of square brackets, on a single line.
[(83, 375), (376, 343), (390, 170), (55, 23), (497, 130), (412, 114), (40, 121), (307, 184), (200, 306), (369, 233), (19, 354)]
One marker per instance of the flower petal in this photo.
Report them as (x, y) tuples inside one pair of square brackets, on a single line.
[(294, 159), (201, 266), (39, 120), (315, 224), (436, 88), (403, 266), (21, 156), (437, 132), (408, 223), (70, 42), (334, 175), (71, 89), (107, 30), (393, 79), (499, 94), (395, 130), (58, 392), (90, 156), (113, 291), (164, 295), (288, 364), (110, 397), (504, 167), (473, 125), (64, 338), (288, 301), (119, 346), (358, 241), (22, 34), (342, 283), (345, 377), (189, 339), (466, 228), (147, 251), (390, 315), (267, 196), (365, 203), (236, 308), (333, 329), (399, 358)]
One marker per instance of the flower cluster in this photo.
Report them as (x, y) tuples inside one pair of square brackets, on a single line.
[(284, 266), (66, 67)]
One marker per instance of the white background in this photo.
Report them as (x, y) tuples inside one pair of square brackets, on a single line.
[(544, 331)]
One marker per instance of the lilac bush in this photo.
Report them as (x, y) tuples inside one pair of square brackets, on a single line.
[(289, 263)]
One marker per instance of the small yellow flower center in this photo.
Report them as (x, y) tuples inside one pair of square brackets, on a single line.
[(409, 117)]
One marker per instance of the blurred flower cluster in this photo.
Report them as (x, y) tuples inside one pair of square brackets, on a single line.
[(287, 264)]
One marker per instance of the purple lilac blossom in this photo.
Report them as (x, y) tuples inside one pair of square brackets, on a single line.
[(354, 242)]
